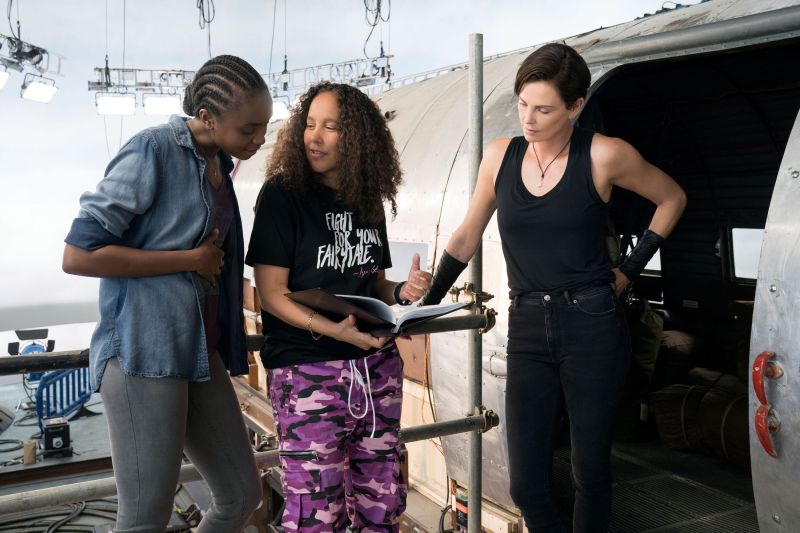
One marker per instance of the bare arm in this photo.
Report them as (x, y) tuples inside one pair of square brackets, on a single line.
[(384, 288), (465, 240), (273, 284), (116, 261), (467, 237), (615, 162)]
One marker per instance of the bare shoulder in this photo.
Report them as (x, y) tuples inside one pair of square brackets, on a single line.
[(493, 156), (498, 146), (609, 154)]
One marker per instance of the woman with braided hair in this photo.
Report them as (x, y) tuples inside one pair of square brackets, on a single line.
[(162, 231), (336, 391), (568, 343)]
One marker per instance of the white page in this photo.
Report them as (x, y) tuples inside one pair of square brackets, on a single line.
[(371, 305), (426, 311)]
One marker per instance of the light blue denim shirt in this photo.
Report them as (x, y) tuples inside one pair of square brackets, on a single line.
[(154, 197)]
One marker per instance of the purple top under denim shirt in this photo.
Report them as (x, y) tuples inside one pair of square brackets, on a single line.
[(223, 217), (154, 197)]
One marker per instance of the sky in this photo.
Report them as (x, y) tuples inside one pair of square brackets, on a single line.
[(51, 153)]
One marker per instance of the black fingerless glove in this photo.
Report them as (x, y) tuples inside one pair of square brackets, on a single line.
[(642, 253), (447, 273)]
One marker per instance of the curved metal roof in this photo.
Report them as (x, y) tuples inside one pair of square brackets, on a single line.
[(429, 123)]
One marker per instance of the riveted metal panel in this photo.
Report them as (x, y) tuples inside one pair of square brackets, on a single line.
[(450, 387), (776, 328), (428, 121)]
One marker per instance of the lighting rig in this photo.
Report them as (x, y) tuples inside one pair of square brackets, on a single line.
[(160, 91), (32, 62), (287, 85)]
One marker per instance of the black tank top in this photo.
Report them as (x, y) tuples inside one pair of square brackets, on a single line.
[(556, 241)]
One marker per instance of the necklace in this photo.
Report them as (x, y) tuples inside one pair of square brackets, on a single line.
[(541, 179)]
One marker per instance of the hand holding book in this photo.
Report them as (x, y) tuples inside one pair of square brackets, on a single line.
[(371, 315), (347, 331)]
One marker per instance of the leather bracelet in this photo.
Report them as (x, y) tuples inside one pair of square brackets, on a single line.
[(315, 336), (447, 271), (397, 298), (646, 247)]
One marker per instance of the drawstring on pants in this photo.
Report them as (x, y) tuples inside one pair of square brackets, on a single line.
[(357, 377)]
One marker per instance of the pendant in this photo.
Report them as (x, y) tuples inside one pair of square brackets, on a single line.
[(541, 183)]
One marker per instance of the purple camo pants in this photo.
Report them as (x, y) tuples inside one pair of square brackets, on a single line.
[(340, 470)]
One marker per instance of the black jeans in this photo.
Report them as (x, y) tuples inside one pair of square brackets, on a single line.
[(575, 343)]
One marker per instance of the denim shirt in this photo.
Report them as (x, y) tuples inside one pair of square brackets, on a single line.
[(154, 197)]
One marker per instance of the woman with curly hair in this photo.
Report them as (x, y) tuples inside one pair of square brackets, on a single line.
[(336, 391)]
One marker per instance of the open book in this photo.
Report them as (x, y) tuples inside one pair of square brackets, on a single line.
[(372, 315)]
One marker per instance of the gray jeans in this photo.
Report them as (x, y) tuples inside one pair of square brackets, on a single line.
[(152, 421)]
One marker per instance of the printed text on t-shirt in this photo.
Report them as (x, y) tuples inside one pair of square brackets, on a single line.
[(341, 253)]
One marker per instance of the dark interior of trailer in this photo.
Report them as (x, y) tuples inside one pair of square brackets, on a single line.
[(719, 125)]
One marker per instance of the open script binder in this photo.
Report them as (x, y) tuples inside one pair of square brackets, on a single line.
[(372, 315)]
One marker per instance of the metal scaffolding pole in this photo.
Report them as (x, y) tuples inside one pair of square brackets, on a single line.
[(80, 358), (102, 488), (475, 422), (22, 364), (474, 371)]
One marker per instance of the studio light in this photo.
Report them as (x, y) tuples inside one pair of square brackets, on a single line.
[(115, 104), (161, 104), (23, 52), (38, 88), (28, 53), (33, 62), (161, 90)]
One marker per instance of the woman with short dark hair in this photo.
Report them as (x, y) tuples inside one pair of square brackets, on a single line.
[(336, 391), (567, 334), (163, 233)]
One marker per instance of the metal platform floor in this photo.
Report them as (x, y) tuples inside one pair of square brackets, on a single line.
[(89, 437), (666, 491)]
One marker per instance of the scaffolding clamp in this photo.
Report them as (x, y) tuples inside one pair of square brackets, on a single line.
[(476, 301), (470, 296), (490, 418)]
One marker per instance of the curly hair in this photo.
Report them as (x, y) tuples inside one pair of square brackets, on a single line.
[(368, 165)]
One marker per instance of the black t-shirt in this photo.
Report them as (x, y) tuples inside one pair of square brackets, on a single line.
[(323, 244)]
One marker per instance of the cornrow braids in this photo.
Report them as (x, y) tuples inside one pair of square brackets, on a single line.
[(218, 82)]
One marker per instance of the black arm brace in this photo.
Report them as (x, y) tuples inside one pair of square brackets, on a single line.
[(447, 272), (641, 254)]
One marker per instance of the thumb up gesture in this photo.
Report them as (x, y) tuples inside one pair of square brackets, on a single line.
[(418, 282)]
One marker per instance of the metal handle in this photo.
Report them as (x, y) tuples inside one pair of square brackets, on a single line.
[(763, 367), (767, 424)]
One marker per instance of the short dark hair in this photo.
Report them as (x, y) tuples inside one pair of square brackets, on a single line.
[(218, 82), (559, 64)]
